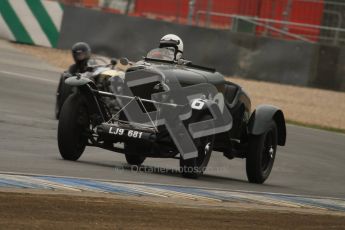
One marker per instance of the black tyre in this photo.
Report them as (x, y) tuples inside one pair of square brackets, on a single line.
[(195, 167), (73, 125), (261, 155), (135, 154), (62, 93)]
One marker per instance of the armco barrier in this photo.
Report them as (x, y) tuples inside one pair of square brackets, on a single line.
[(34, 22)]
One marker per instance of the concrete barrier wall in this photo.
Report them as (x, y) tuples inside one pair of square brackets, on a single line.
[(277, 61), (330, 68), (230, 53), (340, 75), (35, 22)]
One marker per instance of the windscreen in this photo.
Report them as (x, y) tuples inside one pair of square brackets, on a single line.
[(166, 54)]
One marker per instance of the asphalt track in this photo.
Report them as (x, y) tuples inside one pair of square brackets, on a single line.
[(312, 163)]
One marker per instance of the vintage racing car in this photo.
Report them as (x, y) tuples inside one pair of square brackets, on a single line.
[(171, 109)]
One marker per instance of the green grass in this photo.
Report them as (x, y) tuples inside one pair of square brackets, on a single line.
[(316, 126)]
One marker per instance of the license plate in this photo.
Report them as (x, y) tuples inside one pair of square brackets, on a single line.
[(125, 132)]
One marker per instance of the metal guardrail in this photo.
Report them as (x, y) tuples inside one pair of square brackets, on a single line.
[(324, 2), (266, 23)]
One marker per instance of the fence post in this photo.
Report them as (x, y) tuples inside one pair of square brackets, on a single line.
[(191, 11), (106, 3), (128, 6), (208, 15), (286, 14)]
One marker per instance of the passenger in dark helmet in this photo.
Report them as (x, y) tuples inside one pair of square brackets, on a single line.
[(81, 53)]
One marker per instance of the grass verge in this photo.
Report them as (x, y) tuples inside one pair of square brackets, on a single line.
[(313, 126)]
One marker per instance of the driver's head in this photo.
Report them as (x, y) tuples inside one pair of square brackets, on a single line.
[(81, 53), (172, 41)]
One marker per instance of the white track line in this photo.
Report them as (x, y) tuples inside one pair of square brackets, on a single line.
[(26, 179), (27, 77), (179, 186)]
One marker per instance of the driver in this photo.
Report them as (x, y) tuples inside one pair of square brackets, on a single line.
[(172, 41)]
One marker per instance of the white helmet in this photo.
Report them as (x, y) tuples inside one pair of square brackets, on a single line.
[(172, 40)]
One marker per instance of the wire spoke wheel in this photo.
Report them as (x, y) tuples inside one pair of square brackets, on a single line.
[(268, 151), (193, 168), (135, 154)]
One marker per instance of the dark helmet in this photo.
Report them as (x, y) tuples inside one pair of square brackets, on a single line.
[(81, 52)]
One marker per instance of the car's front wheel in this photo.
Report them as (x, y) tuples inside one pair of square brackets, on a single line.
[(135, 153), (194, 167), (261, 154), (73, 125)]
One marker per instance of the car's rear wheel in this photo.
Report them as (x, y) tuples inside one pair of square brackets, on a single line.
[(261, 154), (194, 167), (73, 125), (135, 153)]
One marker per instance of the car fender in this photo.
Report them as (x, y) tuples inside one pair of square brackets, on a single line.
[(87, 87), (262, 116), (77, 81)]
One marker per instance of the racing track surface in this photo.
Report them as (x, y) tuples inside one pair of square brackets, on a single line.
[(312, 163)]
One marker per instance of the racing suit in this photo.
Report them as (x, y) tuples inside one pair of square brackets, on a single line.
[(64, 90)]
